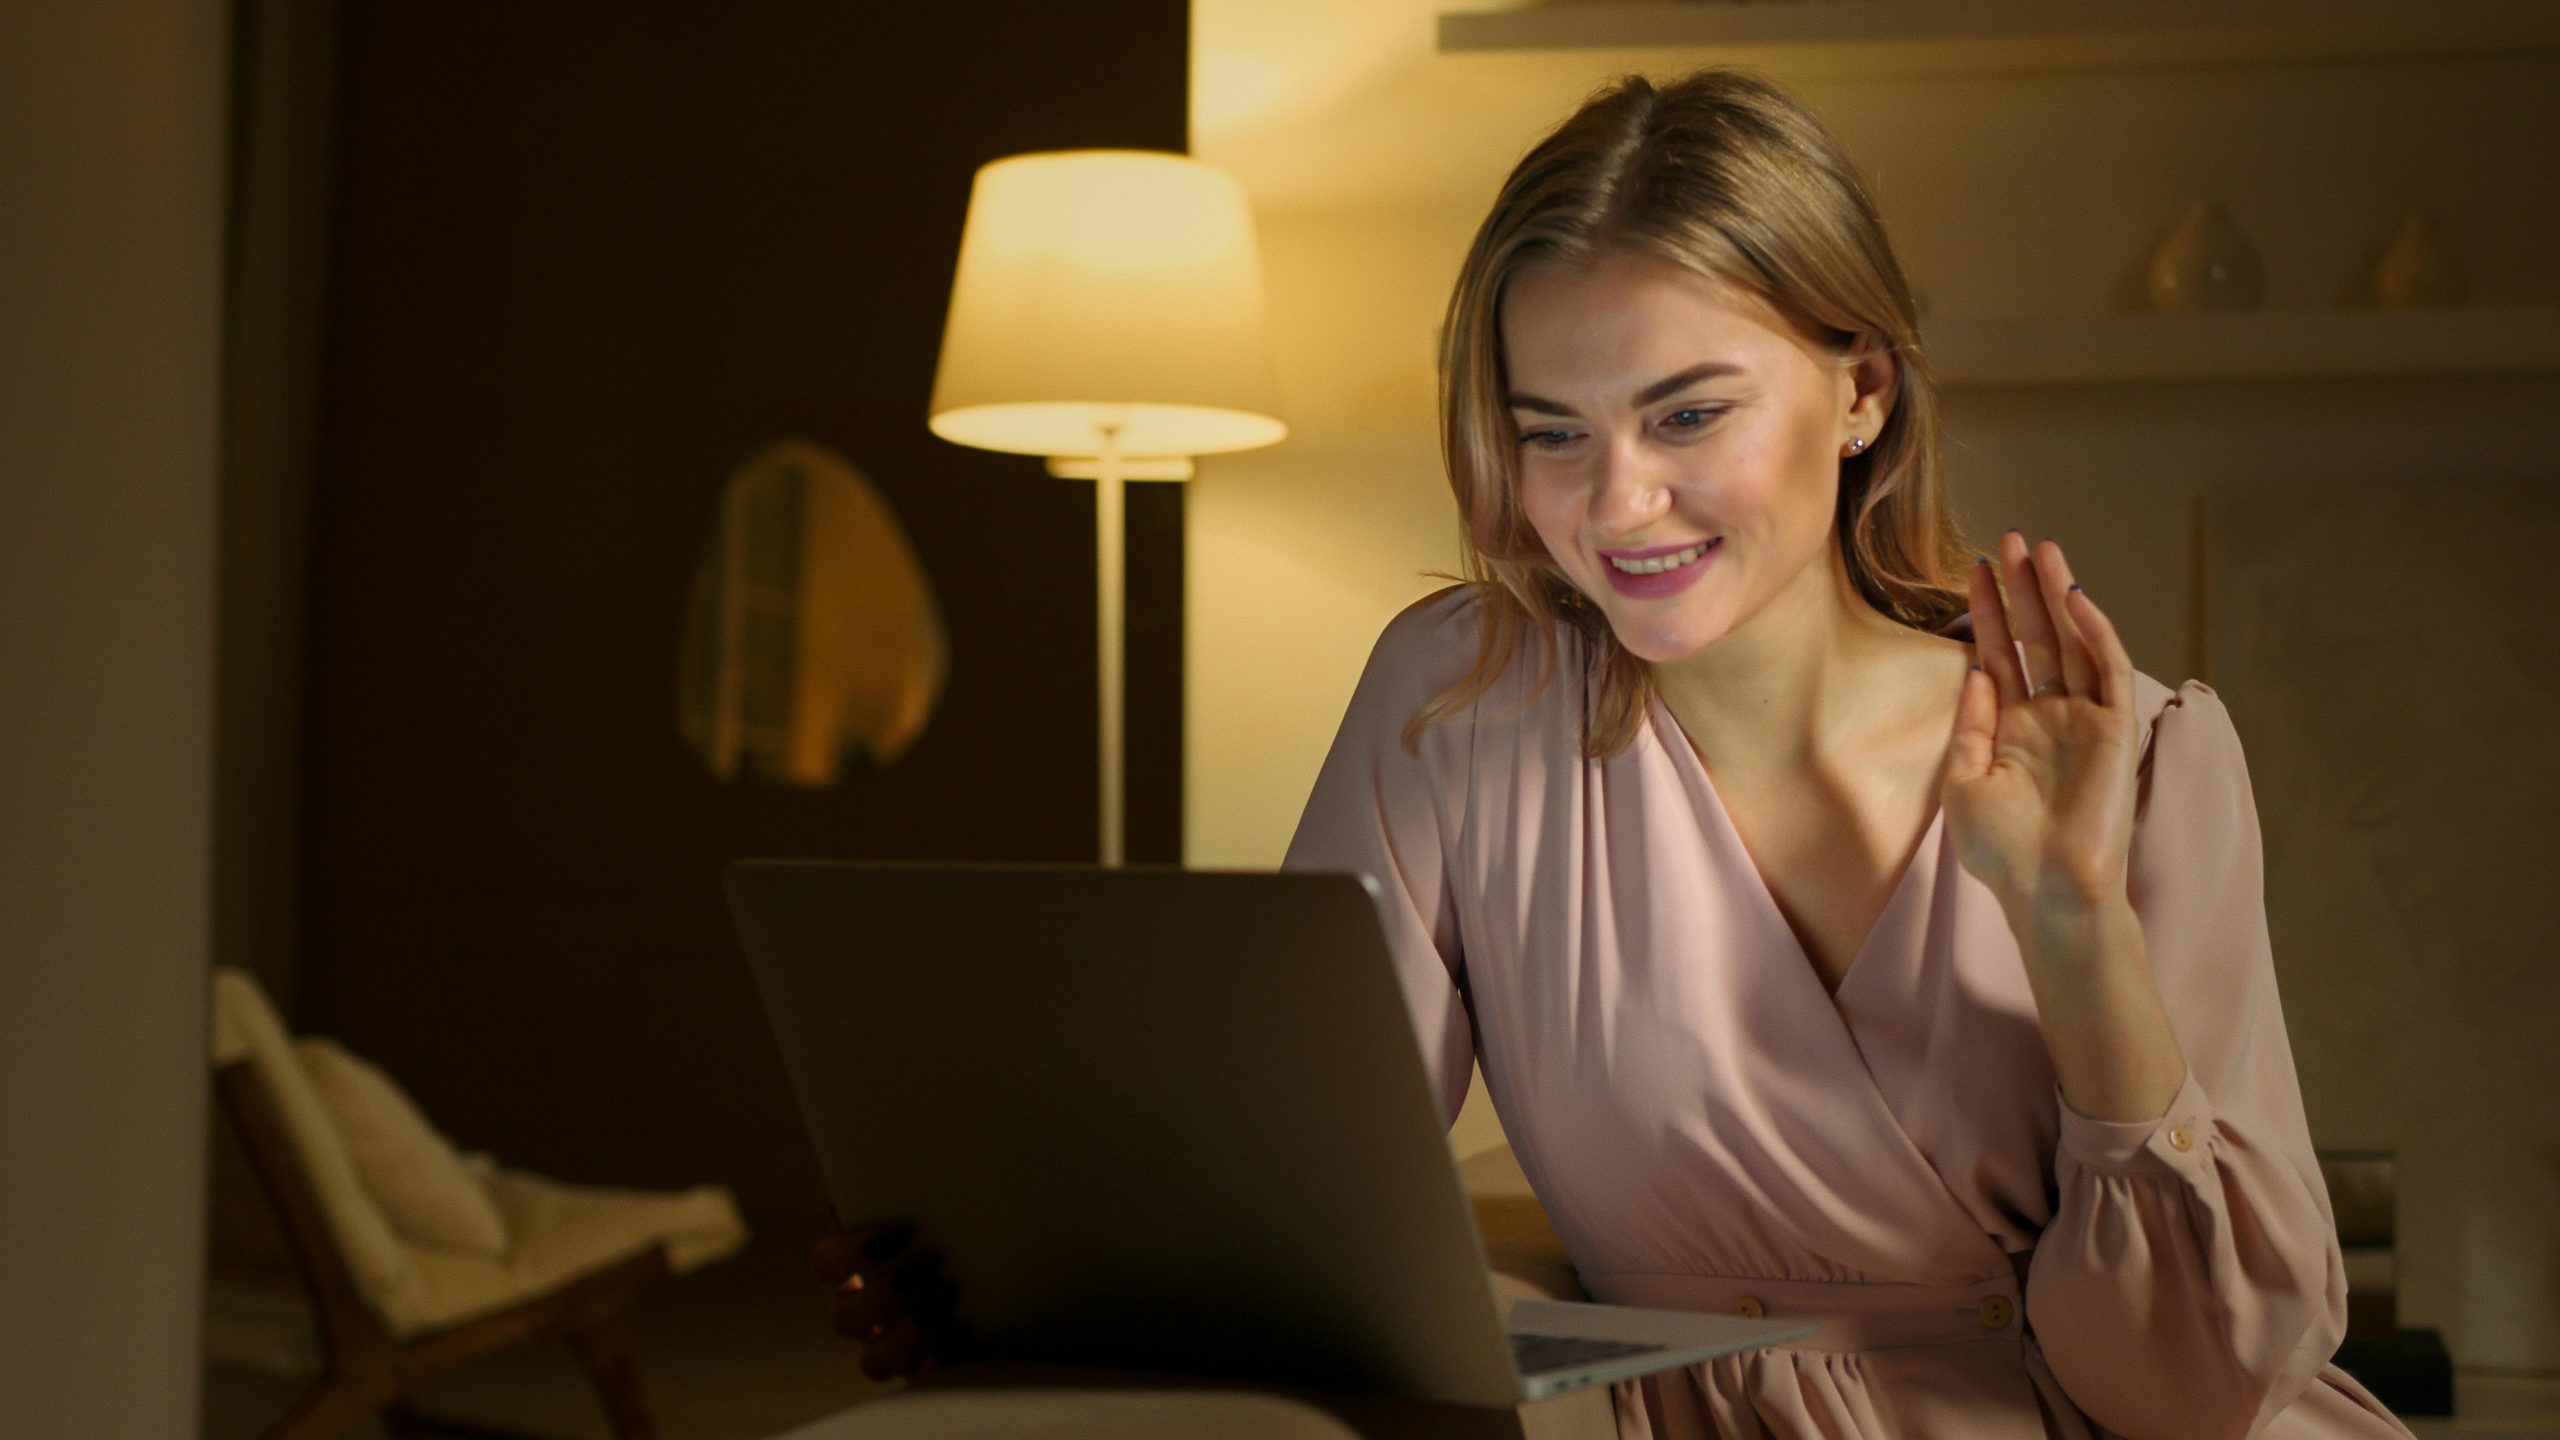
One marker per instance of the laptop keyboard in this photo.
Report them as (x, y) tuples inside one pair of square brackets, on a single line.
[(1537, 1354)]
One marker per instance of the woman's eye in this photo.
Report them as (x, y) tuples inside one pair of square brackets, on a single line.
[(1692, 418), (1546, 439)]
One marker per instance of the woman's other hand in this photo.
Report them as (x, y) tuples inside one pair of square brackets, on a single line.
[(889, 1294), (2041, 770)]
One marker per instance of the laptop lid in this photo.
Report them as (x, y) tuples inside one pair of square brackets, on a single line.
[(1153, 1118)]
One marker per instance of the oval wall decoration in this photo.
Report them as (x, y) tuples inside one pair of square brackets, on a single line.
[(812, 637)]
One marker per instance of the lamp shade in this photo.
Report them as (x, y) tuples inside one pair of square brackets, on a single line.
[(1106, 288)]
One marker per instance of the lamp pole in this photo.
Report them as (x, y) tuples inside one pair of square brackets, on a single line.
[(1110, 592)]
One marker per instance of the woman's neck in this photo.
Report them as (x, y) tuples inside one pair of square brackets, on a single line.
[(1814, 680)]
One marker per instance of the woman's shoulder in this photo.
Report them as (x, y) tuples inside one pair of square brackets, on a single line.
[(1447, 620), (1436, 640), (1435, 649), (2191, 725), (1439, 639)]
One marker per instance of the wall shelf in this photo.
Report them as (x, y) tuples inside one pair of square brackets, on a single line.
[(2256, 345), (1950, 37)]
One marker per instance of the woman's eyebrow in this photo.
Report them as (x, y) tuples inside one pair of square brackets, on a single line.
[(1659, 389)]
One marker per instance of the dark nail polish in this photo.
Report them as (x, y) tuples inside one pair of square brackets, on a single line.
[(1981, 559)]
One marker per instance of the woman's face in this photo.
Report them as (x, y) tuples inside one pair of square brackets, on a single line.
[(1679, 445)]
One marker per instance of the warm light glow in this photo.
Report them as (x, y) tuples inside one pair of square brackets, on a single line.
[(1106, 288)]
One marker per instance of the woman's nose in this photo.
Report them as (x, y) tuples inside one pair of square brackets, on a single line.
[(1630, 491)]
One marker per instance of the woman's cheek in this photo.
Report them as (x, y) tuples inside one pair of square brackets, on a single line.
[(1765, 469), (1550, 512)]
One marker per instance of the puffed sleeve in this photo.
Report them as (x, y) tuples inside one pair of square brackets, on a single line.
[(1396, 817), (2190, 1284)]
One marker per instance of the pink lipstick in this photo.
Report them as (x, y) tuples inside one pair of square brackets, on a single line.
[(1659, 583)]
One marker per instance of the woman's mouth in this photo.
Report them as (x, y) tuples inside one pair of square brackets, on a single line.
[(1654, 576), (1659, 563)]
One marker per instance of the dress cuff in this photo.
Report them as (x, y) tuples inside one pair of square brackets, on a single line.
[(2176, 1142)]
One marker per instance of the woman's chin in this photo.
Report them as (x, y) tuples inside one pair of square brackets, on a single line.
[(1660, 642)]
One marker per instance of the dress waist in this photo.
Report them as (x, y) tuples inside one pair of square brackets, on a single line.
[(1846, 1315)]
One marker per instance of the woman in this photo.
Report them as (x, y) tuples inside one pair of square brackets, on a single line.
[(1846, 930), (1841, 940)]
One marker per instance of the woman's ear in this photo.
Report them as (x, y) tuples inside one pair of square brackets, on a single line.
[(1875, 383)]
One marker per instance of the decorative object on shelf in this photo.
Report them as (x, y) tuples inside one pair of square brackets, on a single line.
[(812, 636), (2207, 263), (1107, 313), (2418, 269)]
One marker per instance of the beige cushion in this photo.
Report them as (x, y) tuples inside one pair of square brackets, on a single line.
[(561, 1232), (412, 1172), (245, 1027), (553, 1232)]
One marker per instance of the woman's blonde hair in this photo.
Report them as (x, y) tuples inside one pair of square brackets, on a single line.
[(1723, 173)]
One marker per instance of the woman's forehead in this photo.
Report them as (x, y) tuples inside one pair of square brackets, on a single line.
[(1592, 321)]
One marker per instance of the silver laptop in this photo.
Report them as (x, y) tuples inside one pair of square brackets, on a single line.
[(1161, 1120)]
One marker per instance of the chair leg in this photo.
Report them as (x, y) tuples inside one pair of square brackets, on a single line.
[(329, 1409), (604, 1349)]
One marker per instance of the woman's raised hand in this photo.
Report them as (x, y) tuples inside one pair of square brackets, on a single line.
[(2040, 773), (891, 1296)]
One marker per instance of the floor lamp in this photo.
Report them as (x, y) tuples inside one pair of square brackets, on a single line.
[(1107, 314)]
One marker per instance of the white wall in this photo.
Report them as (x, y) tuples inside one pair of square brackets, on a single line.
[(1342, 520), (2400, 758), (111, 125), (2013, 195)]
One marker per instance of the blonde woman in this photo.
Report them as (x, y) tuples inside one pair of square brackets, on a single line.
[(1846, 929)]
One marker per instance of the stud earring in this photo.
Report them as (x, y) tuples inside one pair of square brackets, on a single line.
[(1856, 444)]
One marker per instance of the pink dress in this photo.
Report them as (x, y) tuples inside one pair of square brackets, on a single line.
[(1711, 1130)]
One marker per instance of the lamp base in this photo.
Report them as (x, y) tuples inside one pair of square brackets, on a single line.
[(1173, 467)]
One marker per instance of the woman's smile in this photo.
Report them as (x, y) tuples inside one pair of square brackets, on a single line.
[(1653, 574)]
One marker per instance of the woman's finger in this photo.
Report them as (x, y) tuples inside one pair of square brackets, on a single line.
[(911, 1285), (894, 1352), (2114, 661), (859, 1314), (846, 1251), (2028, 618), (2053, 585), (1993, 648), (836, 1258)]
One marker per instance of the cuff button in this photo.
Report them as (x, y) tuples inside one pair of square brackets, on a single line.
[(1997, 1312), (1749, 1307)]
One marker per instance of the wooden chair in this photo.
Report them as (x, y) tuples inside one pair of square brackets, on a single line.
[(368, 1371), (376, 1361)]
